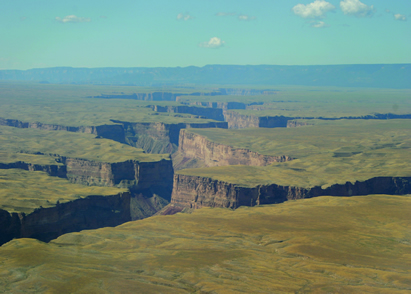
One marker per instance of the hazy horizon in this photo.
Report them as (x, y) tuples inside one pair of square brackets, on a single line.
[(159, 33)]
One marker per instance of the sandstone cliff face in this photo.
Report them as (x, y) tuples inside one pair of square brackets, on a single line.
[(51, 170), (195, 146), (161, 137), (112, 132), (91, 212), (197, 192), (131, 174), (239, 121), (210, 113)]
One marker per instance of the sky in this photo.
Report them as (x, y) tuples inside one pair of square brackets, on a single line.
[(164, 33)]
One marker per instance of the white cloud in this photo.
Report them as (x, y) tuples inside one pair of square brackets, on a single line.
[(72, 18), (182, 16), (319, 24), (225, 14), (316, 9), (400, 17), (245, 17), (356, 8), (212, 43)]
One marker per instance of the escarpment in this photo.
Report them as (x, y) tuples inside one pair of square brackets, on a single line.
[(112, 132), (237, 120), (197, 192), (160, 137), (45, 224), (53, 170), (210, 113), (195, 146)]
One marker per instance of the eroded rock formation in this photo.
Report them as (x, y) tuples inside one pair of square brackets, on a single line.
[(112, 132), (210, 113), (197, 192), (195, 146)]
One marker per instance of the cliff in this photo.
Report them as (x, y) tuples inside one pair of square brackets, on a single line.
[(160, 137), (53, 170), (195, 146), (236, 120), (197, 192), (210, 113), (112, 132)]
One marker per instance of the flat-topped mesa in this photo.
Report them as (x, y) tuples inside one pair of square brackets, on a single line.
[(210, 113), (197, 192), (135, 175), (161, 137), (195, 146), (112, 132), (168, 96), (237, 120)]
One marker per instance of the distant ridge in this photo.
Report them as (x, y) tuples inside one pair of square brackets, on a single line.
[(397, 76)]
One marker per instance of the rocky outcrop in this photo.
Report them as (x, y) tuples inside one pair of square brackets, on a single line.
[(197, 192), (195, 146), (221, 105), (112, 132), (92, 212), (160, 137), (168, 96), (210, 113), (135, 175), (236, 120), (53, 170), (296, 123)]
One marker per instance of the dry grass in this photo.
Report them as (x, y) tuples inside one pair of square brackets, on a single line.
[(364, 246)]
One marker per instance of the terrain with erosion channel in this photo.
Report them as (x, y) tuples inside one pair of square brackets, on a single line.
[(125, 158)]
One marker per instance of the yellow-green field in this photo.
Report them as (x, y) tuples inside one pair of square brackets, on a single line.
[(76, 145), (328, 153), (319, 245), (24, 191)]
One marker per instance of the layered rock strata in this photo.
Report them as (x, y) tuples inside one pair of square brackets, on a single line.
[(45, 224), (197, 192), (53, 170), (236, 120), (210, 113), (112, 132), (161, 137), (195, 146)]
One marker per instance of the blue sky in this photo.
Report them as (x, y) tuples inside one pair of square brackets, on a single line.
[(156, 33)]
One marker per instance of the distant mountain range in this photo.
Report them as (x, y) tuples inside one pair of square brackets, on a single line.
[(370, 75)]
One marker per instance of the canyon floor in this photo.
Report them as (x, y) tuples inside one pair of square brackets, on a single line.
[(285, 189)]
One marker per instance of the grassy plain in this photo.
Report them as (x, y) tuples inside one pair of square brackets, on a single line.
[(24, 191), (76, 145), (67, 105), (320, 245), (299, 101), (327, 153)]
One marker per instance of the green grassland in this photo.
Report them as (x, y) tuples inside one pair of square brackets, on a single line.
[(320, 245), (67, 105), (24, 191), (327, 153), (15, 141)]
